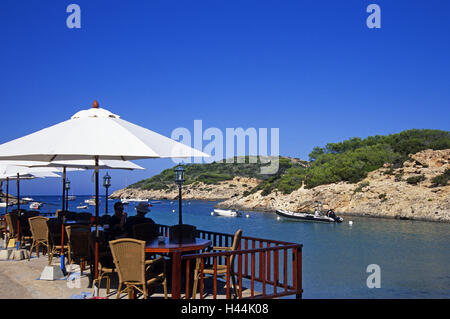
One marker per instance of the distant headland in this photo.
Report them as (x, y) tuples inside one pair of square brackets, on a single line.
[(403, 175)]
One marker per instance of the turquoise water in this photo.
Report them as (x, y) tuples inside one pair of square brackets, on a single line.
[(414, 256)]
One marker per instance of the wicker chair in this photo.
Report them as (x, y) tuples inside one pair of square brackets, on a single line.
[(39, 231), (2, 226), (134, 271), (11, 220), (106, 267), (24, 230), (77, 227), (221, 269), (54, 229), (78, 246)]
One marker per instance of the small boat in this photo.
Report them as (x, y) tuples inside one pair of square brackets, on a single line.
[(309, 217), (91, 201), (4, 204), (26, 199), (82, 207), (35, 205), (155, 202), (139, 200), (134, 200), (71, 197), (226, 212)]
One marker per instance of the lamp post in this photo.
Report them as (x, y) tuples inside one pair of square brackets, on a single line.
[(67, 194), (106, 185), (179, 179)]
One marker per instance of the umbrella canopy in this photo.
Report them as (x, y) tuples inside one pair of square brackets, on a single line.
[(10, 171), (94, 132), (3, 177), (89, 164)]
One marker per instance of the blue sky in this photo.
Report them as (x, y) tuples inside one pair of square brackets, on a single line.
[(310, 68)]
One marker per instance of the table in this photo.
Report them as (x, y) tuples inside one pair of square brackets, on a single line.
[(176, 249)]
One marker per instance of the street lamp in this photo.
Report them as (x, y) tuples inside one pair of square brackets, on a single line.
[(179, 179), (106, 185), (67, 194)]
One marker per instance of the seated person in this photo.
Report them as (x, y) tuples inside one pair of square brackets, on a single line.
[(141, 210), (331, 214), (117, 221)]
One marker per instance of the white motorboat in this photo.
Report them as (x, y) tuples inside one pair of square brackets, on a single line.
[(317, 217), (134, 200), (91, 201), (226, 212), (139, 200), (26, 199), (82, 207), (35, 205)]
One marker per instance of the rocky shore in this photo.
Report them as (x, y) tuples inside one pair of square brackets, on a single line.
[(386, 192), (222, 191)]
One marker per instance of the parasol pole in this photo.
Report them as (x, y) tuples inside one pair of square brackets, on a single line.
[(6, 200), (62, 263), (63, 189), (18, 211), (6, 207), (96, 220), (18, 191)]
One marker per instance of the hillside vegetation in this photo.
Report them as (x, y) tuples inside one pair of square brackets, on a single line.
[(212, 173), (350, 160)]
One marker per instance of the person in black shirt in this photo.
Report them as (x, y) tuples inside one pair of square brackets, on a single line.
[(117, 221), (141, 210)]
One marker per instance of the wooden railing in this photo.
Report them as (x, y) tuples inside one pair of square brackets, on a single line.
[(271, 268)]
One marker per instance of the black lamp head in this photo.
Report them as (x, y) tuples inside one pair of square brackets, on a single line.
[(106, 180), (179, 175)]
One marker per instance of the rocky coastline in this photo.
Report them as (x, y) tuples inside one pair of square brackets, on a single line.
[(386, 193)]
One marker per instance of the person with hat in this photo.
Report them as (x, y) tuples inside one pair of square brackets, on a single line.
[(141, 209)]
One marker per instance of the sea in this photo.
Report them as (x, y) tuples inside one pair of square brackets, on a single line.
[(411, 259)]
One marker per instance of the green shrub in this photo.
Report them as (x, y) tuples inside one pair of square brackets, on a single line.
[(441, 180), (413, 180), (361, 186)]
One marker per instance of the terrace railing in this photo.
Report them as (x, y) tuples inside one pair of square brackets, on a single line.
[(271, 268)]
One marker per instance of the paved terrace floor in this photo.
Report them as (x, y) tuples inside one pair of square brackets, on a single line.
[(20, 280)]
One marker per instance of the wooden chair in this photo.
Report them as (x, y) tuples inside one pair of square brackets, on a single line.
[(221, 269), (39, 231), (134, 271), (78, 246)]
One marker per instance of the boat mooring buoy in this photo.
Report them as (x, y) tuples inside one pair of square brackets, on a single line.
[(278, 217), (212, 213), (173, 210), (247, 216), (350, 223)]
